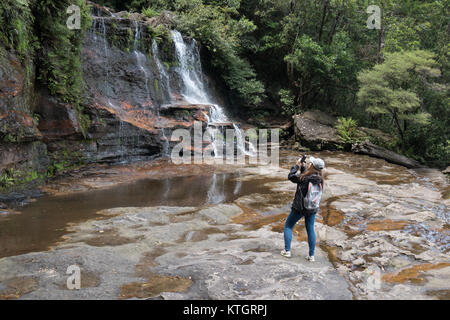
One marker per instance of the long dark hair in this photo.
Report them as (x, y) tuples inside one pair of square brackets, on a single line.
[(310, 171)]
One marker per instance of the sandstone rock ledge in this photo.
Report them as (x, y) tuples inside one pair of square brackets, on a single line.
[(175, 253)]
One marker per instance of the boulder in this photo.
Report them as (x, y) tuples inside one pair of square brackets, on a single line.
[(314, 129), (373, 150)]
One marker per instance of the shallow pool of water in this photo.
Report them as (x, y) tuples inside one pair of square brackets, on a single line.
[(42, 223)]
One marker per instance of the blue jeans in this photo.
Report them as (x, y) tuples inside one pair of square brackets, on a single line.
[(309, 224)]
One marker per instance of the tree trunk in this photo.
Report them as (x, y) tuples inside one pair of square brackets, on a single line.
[(370, 149), (399, 128), (333, 28), (324, 13)]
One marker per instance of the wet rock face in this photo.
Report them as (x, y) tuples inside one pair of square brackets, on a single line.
[(16, 103), (21, 148), (30, 155), (132, 106), (58, 120), (130, 109), (134, 96)]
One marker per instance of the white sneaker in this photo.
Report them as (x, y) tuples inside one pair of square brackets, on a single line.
[(285, 253), (310, 258)]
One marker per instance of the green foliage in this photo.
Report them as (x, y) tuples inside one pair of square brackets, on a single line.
[(221, 31), (287, 102), (14, 178), (16, 28), (346, 128), (59, 58), (9, 138), (150, 12), (6, 181), (64, 160), (394, 88), (158, 33), (59, 63), (56, 168)]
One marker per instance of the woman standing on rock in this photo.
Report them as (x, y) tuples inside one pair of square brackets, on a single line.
[(306, 202)]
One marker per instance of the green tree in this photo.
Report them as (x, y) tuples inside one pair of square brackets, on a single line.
[(393, 88)]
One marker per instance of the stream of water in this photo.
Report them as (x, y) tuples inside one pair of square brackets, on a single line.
[(195, 92)]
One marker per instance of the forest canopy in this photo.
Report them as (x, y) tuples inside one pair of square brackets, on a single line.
[(294, 55), (282, 57)]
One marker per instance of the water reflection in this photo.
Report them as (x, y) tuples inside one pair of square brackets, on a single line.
[(216, 192), (42, 223)]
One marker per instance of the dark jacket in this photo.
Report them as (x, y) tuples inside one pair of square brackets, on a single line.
[(302, 187)]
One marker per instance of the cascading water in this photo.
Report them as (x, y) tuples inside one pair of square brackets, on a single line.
[(99, 27), (165, 83), (163, 74), (193, 86), (141, 58), (190, 70), (194, 91), (166, 145)]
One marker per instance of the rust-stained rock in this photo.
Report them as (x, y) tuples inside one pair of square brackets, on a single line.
[(387, 224), (413, 274), (16, 100), (57, 120), (25, 157), (17, 287), (155, 285)]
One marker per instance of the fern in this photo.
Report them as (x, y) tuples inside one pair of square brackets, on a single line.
[(346, 128)]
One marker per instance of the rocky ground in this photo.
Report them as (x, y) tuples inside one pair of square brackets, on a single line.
[(382, 234)]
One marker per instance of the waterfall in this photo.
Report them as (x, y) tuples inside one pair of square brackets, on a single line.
[(141, 58), (166, 145), (193, 86), (99, 26), (163, 75), (164, 81), (190, 70), (194, 91)]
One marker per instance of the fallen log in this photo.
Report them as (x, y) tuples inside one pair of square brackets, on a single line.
[(373, 150)]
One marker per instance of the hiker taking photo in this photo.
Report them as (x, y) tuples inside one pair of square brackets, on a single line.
[(306, 201)]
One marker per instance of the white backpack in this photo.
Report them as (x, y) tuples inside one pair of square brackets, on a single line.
[(311, 201)]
